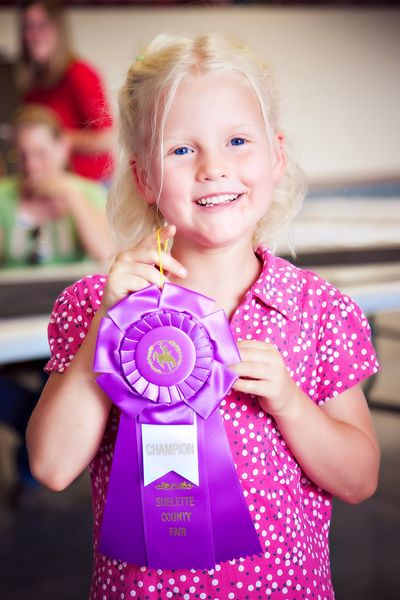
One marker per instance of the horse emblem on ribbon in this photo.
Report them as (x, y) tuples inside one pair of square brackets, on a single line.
[(164, 357)]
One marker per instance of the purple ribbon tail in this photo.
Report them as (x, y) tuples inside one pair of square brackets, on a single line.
[(122, 530), (234, 535)]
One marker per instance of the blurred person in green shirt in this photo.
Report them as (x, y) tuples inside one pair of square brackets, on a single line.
[(48, 215)]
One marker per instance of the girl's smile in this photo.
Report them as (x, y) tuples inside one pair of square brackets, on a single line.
[(218, 200), (219, 167)]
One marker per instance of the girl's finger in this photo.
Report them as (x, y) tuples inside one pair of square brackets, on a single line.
[(255, 344), (252, 370), (121, 284), (249, 386), (147, 272), (118, 288), (172, 267), (165, 233), (150, 256), (139, 254), (148, 244), (260, 355)]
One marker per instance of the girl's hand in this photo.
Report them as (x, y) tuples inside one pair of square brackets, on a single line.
[(262, 372), (136, 268)]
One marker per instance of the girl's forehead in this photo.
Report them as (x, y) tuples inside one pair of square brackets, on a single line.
[(223, 94), (198, 79)]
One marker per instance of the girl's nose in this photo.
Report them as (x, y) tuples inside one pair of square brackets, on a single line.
[(212, 166)]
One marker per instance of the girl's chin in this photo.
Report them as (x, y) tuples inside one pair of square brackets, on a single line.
[(216, 240)]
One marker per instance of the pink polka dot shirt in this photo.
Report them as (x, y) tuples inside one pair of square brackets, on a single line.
[(325, 341)]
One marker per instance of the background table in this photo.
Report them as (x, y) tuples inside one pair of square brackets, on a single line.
[(26, 300)]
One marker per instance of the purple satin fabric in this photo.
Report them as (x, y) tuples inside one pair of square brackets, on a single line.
[(140, 522)]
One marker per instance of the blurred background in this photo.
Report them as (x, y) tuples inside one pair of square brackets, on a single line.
[(338, 68)]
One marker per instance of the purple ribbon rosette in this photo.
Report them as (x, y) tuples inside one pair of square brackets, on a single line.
[(174, 499)]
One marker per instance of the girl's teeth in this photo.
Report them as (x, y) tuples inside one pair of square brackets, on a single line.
[(222, 199)]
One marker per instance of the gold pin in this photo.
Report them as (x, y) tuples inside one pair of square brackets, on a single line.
[(159, 250)]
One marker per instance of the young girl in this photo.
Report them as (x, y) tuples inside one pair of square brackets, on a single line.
[(203, 152)]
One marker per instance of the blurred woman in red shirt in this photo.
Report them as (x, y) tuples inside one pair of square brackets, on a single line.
[(51, 74)]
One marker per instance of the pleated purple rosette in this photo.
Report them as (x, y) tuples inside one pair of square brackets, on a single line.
[(173, 500)]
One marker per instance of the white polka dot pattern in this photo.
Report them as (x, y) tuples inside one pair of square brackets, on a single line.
[(325, 341)]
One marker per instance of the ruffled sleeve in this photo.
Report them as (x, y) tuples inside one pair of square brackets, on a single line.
[(70, 319), (345, 355)]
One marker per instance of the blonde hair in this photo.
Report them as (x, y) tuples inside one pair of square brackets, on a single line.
[(29, 74), (144, 101)]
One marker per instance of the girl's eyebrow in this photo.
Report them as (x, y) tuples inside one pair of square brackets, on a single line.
[(231, 130), (245, 126), (175, 137)]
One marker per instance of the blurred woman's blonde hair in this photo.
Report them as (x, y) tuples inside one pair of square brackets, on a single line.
[(144, 101), (28, 72)]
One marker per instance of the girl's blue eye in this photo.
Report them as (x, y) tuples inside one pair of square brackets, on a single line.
[(237, 141), (182, 151)]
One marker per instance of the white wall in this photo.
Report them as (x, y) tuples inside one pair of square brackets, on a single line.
[(338, 69)]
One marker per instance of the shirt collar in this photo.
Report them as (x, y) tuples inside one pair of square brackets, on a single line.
[(279, 284)]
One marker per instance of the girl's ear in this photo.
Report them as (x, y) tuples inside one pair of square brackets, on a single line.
[(279, 157), (142, 181)]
